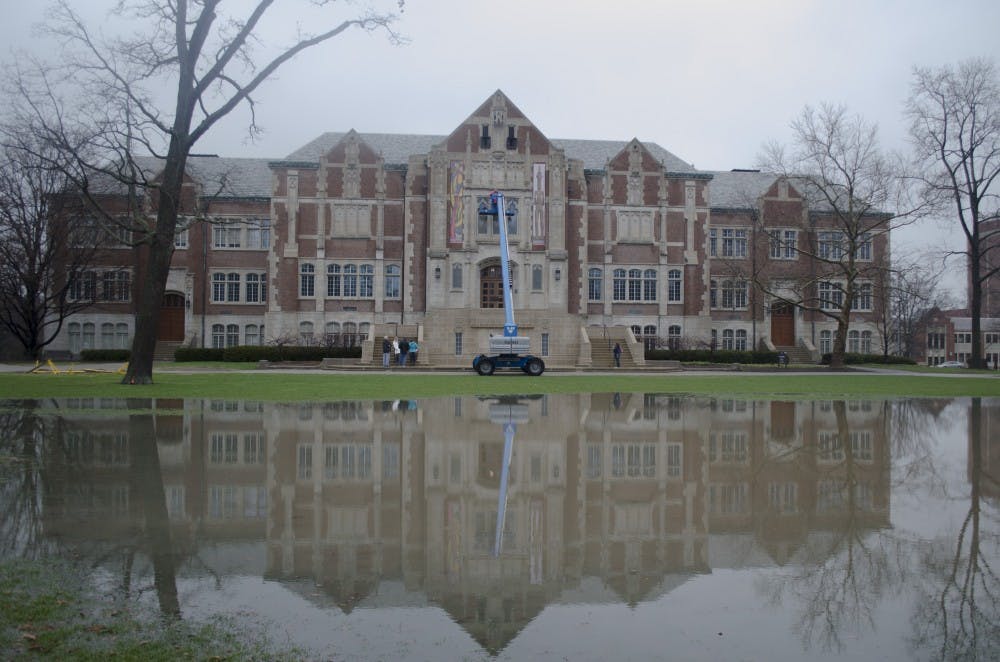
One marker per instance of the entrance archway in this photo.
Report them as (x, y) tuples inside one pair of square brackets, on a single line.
[(170, 328)]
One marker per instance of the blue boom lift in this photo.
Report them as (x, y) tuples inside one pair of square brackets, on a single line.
[(508, 351)]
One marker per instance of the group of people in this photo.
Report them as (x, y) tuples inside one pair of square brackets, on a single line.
[(398, 349)]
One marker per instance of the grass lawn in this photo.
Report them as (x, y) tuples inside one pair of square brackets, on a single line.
[(324, 386)]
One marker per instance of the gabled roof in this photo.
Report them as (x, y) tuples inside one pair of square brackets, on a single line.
[(738, 189), (396, 148)]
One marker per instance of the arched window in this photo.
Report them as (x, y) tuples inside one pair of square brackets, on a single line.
[(634, 284), (121, 335), (363, 330), (107, 335), (350, 337), (491, 287), (88, 335), (218, 288), (727, 339), (674, 286), (392, 281), (333, 280), (332, 334), (232, 335), (825, 342), (866, 342), (741, 340), (674, 336), (307, 280), (350, 280), (854, 342), (250, 336), (618, 285), (74, 337), (649, 336), (649, 285), (306, 333), (636, 331), (366, 284), (218, 336), (536, 277), (233, 287), (595, 284)]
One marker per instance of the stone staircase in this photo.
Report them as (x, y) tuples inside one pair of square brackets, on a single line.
[(795, 354), (601, 348), (165, 349)]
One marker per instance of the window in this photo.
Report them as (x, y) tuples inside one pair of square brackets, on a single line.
[(256, 289), (831, 295), (456, 276), (121, 335), (741, 340), (825, 342), (250, 335), (854, 342), (350, 280), (392, 281), (545, 344), (108, 335), (366, 281), (218, 287), (458, 343), (218, 336), (306, 332), (307, 280), (258, 233), (674, 286), (727, 339), (83, 286), (866, 342), (232, 335), (227, 236), (713, 242), (634, 285), (831, 245), (595, 284), (782, 244), (865, 247), (74, 337), (181, 238), (734, 242), (732, 294), (536, 278), (862, 296), (232, 288), (935, 341), (674, 336), (88, 335), (489, 226), (333, 280), (649, 285)]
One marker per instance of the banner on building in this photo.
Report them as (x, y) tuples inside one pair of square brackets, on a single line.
[(456, 203), (538, 204)]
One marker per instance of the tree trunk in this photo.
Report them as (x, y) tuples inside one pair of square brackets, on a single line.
[(976, 360), (154, 280), (839, 343)]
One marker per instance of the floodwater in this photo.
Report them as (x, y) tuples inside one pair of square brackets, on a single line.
[(624, 526)]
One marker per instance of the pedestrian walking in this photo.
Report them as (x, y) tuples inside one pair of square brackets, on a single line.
[(414, 348), (386, 351), (404, 347), (617, 353)]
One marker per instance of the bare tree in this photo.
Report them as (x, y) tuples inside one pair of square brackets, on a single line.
[(954, 115), (42, 267), (205, 59), (907, 291), (856, 196)]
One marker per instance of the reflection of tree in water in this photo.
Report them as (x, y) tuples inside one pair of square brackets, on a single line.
[(958, 610), (21, 481), (840, 577)]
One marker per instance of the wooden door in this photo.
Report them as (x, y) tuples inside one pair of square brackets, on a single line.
[(171, 324), (783, 325), (491, 287)]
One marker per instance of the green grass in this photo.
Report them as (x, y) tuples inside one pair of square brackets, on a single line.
[(47, 609), (323, 386)]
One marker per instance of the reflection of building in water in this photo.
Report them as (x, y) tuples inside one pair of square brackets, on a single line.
[(612, 497)]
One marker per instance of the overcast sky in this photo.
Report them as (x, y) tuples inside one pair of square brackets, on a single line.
[(710, 80)]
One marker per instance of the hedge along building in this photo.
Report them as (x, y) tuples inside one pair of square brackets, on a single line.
[(356, 236)]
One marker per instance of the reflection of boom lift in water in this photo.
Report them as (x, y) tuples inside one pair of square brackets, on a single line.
[(508, 413), (507, 351)]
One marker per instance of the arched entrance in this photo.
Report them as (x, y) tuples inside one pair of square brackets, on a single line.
[(491, 287), (170, 328), (783, 324)]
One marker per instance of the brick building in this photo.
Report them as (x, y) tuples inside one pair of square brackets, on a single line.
[(355, 236)]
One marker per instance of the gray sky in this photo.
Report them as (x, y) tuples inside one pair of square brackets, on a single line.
[(710, 80)]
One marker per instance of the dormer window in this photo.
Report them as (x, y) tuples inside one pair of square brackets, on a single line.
[(484, 140), (511, 138)]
